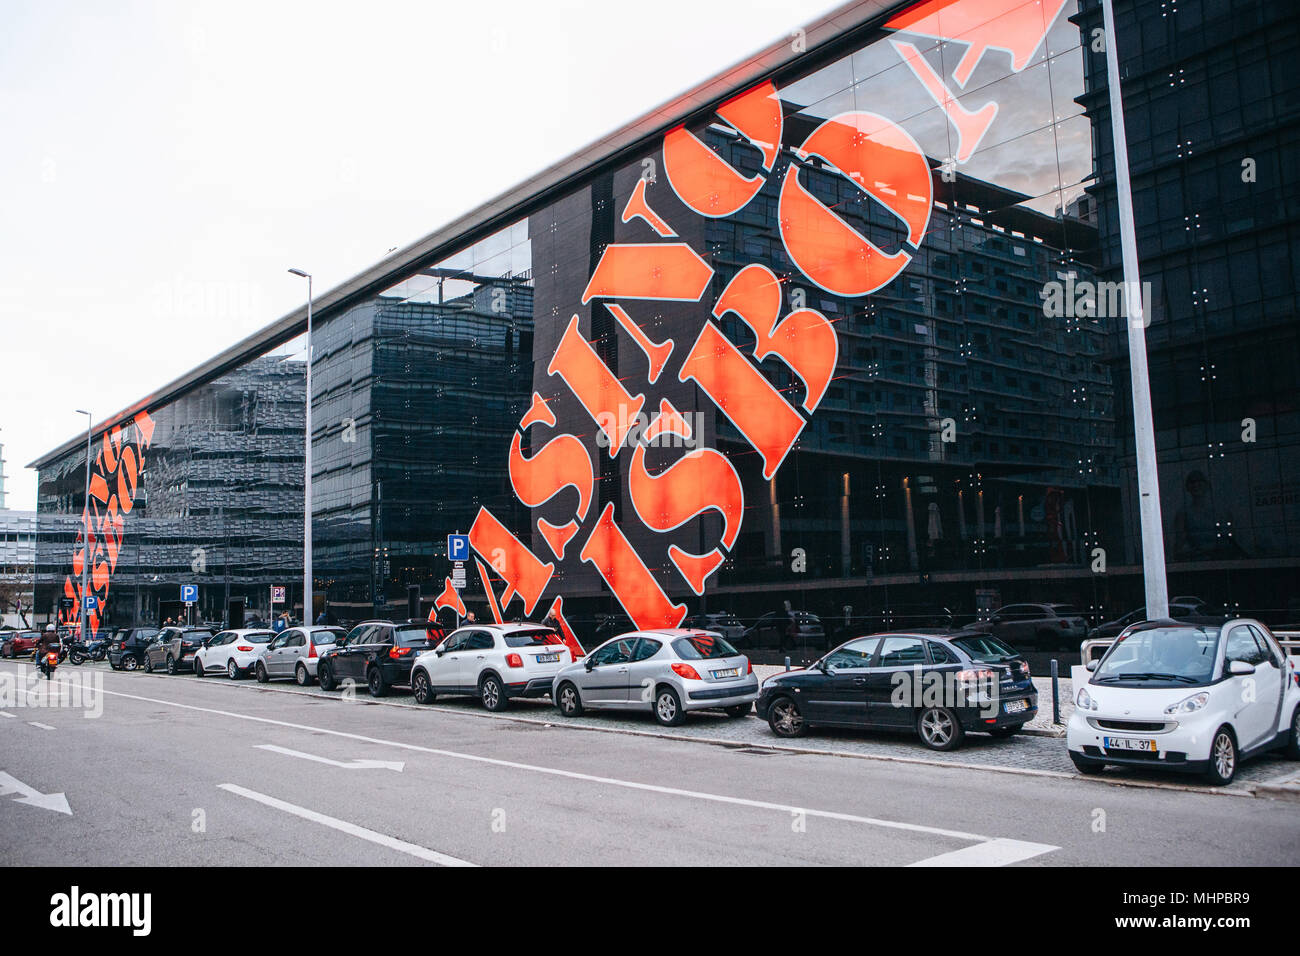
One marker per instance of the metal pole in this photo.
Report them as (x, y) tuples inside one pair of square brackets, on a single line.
[(1056, 692), (306, 475), (85, 530), (1144, 438)]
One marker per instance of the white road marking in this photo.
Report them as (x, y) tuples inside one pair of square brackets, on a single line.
[(37, 723), (345, 764), (593, 778), (993, 853), (6, 714), (30, 795), (383, 839)]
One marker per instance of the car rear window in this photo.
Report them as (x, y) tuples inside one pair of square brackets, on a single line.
[(413, 635), (985, 648), (332, 636), (702, 647), (534, 637), (258, 637)]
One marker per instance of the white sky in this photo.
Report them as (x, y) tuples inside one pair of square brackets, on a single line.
[(164, 163)]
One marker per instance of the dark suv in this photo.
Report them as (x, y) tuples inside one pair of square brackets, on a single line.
[(174, 648), (379, 654), (126, 647)]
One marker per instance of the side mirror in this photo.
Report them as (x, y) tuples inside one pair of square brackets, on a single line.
[(1239, 668), (589, 664), (440, 651), (1092, 664)]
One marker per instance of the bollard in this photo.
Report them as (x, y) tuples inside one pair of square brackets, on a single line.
[(1056, 693), (787, 662)]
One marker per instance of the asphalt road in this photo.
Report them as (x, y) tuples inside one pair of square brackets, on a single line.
[(183, 771)]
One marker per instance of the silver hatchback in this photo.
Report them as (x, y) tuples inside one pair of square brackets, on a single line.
[(667, 671), (290, 654)]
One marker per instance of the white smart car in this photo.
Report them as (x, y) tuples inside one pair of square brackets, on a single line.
[(493, 662), (234, 652), (1186, 697)]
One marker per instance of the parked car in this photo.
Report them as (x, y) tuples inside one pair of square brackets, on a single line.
[(494, 662), (773, 630), (1199, 698), (1180, 609), (127, 646), (938, 687), (719, 622), (668, 671), (1037, 625), (173, 648), (19, 643), (378, 654), (290, 654), (234, 652)]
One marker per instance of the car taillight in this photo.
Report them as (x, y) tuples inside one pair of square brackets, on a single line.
[(749, 667), (514, 660), (1063, 623), (396, 652), (121, 647), (686, 671), (311, 648), (974, 677), (243, 647), (1024, 668)]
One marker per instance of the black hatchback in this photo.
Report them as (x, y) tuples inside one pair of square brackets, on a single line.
[(937, 686)]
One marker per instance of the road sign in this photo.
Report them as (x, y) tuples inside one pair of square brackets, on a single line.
[(457, 547), (277, 594), (66, 604), (458, 575), (189, 593), (91, 603)]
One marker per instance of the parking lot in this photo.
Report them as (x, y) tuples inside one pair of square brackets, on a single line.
[(182, 769)]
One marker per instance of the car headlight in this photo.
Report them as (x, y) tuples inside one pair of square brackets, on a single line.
[(1084, 700), (1189, 705)]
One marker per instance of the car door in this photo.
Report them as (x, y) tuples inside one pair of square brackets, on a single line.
[(643, 670), (443, 665), (378, 642), (351, 660), (281, 658), (1256, 699), (893, 687), (840, 695), (605, 681)]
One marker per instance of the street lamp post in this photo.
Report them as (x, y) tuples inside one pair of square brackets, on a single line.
[(85, 530), (1144, 436), (307, 618)]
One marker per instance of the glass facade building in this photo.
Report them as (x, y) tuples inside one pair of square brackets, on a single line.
[(839, 337)]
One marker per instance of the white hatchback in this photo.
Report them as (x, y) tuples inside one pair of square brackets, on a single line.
[(493, 662), (234, 652), (1186, 697)]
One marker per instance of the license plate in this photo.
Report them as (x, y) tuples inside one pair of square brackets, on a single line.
[(728, 672), (1128, 743), (1015, 706), (547, 658)]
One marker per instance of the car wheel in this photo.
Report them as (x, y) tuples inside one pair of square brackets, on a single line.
[(171, 664), (1007, 731), (1223, 758), (130, 663), (785, 719), (1086, 764), (568, 700), (232, 669), (301, 676), (1293, 738), (939, 728), (198, 667), (260, 671), (148, 664), (492, 693), (668, 707), (325, 676), (375, 681), (738, 710), (422, 689)]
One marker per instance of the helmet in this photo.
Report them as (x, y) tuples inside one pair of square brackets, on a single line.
[(48, 628)]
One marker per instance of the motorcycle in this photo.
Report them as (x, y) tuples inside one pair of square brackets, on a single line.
[(47, 662), (80, 651)]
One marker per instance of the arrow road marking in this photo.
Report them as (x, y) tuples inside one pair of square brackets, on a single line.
[(30, 795), (36, 723), (383, 839), (345, 764), (993, 853)]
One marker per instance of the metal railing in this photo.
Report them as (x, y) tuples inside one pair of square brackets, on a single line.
[(1289, 641)]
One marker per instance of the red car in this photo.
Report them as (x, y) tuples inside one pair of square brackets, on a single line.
[(20, 643)]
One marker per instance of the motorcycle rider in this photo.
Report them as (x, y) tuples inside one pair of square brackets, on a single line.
[(48, 642)]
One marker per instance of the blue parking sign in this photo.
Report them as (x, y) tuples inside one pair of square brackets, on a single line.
[(91, 603), (189, 593), (457, 547)]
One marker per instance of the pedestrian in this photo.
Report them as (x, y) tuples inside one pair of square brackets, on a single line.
[(321, 619), (470, 618), (281, 622)]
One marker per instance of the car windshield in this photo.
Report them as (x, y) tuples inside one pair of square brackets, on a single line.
[(534, 637), (985, 649), (701, 647), (1160, 656)]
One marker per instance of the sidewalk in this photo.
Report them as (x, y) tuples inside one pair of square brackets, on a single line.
[(1041, 725)]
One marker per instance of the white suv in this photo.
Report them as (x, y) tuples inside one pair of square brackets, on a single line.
[(234, 652), (1181, 696), (493, 662)]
